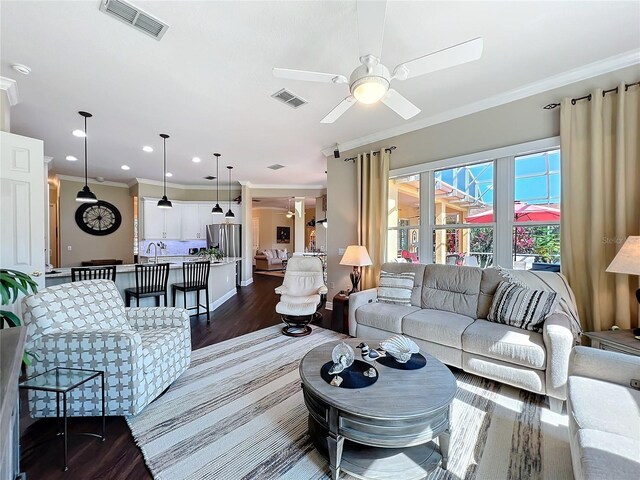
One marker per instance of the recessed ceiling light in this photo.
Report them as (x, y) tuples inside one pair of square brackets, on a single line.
[(196, 160), (79, 133), (147, 149), (23, 69), (168, 174), (125, 167), (71, 158)]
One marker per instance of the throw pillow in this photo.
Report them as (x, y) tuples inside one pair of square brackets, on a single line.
[(267, 253), (521, 307), (396, 288), (282, 254)]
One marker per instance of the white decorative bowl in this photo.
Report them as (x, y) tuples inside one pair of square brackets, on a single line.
[(400, 347)]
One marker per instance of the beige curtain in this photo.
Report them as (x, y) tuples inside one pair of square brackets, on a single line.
[(600, 145), (373, 185)]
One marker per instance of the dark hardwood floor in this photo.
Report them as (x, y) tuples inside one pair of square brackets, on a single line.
[(118, 458)]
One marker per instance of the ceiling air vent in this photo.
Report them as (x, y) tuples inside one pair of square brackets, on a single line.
[(275, 166), (133, 16), (289, 98)]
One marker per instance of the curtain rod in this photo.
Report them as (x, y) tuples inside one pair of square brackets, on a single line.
[(388, 150), (551, 106)]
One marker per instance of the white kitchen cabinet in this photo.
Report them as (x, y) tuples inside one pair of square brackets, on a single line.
[(190, 222), (161, 223), (205, 217)]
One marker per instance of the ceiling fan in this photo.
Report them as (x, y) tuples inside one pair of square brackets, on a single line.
[(371, 81)]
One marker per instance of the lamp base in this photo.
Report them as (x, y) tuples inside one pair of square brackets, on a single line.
[(355, 280), (638, 295)]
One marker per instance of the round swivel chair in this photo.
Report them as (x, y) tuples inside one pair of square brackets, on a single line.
[(302, 294)]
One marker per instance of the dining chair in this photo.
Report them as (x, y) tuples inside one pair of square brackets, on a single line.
[(195, 277), (151, 281), (93, 273)]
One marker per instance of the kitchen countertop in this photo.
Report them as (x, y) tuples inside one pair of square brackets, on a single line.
[(66, 271)]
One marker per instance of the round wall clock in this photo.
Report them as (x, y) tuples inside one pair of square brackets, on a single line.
[(101, 218)]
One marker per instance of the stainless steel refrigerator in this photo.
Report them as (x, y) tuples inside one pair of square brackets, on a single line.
[(228, 238)]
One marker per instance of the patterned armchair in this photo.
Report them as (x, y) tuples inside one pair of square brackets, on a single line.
[(86, 325)]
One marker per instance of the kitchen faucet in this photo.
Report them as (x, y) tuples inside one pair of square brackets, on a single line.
[(155, 251)]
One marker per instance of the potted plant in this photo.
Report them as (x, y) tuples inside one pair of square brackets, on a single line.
[(12, 283), (213, 254)]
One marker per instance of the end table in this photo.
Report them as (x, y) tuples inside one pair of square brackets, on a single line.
[(340, 313), (621, 341), (61, 381)]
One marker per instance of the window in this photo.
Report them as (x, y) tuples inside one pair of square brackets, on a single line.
[(536, 209), (462, 196), (404, 219), (499, 209)]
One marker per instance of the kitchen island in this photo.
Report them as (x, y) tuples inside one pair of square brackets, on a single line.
[(222, 282)]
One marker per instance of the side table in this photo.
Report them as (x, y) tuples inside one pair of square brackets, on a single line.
[(61, 381), (621, 341), (340, 313)]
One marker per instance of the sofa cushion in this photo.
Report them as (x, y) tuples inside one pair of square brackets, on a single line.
[(395, 288), (436, 326), (604, 455), (521, 307), (605, 406), (451, 288), (418, 269), (502, 342), (384, 316)]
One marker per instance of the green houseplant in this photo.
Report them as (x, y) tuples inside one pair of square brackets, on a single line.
[(212, 254), (12, 284)]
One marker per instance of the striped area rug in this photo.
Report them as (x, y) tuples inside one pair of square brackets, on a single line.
[(238, 413)]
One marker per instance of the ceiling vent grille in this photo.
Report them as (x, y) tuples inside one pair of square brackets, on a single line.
[(289, 98), (133, 16), (275, 166)]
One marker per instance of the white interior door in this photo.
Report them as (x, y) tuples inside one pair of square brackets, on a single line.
[(22, 187)]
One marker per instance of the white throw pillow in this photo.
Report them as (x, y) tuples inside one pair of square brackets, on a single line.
[(396, 288), (267, 253)]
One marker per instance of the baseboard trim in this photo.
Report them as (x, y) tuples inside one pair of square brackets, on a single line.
[(329, 306), (222, 299), (246, 283)]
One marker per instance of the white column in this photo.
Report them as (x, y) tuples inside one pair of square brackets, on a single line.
[(299, 224), (247, 234), (8, 98)]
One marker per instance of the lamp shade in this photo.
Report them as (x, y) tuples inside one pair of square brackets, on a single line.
[(356, 256), (627, 260)]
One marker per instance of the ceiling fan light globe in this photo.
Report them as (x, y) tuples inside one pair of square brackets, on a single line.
[(369, 90)]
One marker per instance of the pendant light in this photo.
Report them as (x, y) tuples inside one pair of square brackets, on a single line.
[(229, 214), (164, 202), (85, 195), (217, 210)]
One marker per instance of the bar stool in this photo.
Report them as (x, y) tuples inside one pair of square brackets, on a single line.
[(93, 273), (151, 281), (195, 277)]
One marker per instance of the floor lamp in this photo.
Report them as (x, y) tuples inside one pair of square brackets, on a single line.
[(356, 256)]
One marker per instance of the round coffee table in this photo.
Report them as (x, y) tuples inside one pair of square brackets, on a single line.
[(385, 430)]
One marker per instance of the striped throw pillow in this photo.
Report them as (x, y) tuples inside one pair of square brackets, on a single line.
[(521, 307), (396, 288)]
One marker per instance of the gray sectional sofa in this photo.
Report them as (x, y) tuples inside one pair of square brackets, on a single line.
[(446, 318), (604, 414)]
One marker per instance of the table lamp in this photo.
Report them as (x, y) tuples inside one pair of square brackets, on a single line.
[(356, 256), (627, 261)]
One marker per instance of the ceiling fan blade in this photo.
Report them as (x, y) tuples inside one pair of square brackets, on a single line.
[(403, 107), (339, 109), (371, 26), (445, 58), (309, 76)]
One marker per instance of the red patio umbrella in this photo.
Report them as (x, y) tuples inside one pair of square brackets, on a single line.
[(523, 212)]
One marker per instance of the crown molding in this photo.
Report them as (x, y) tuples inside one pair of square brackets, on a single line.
[(146, 181), (10, 86), (617, 62), (48, 160), (245, 183), (92, 181), (279, 209), (289, 187)]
